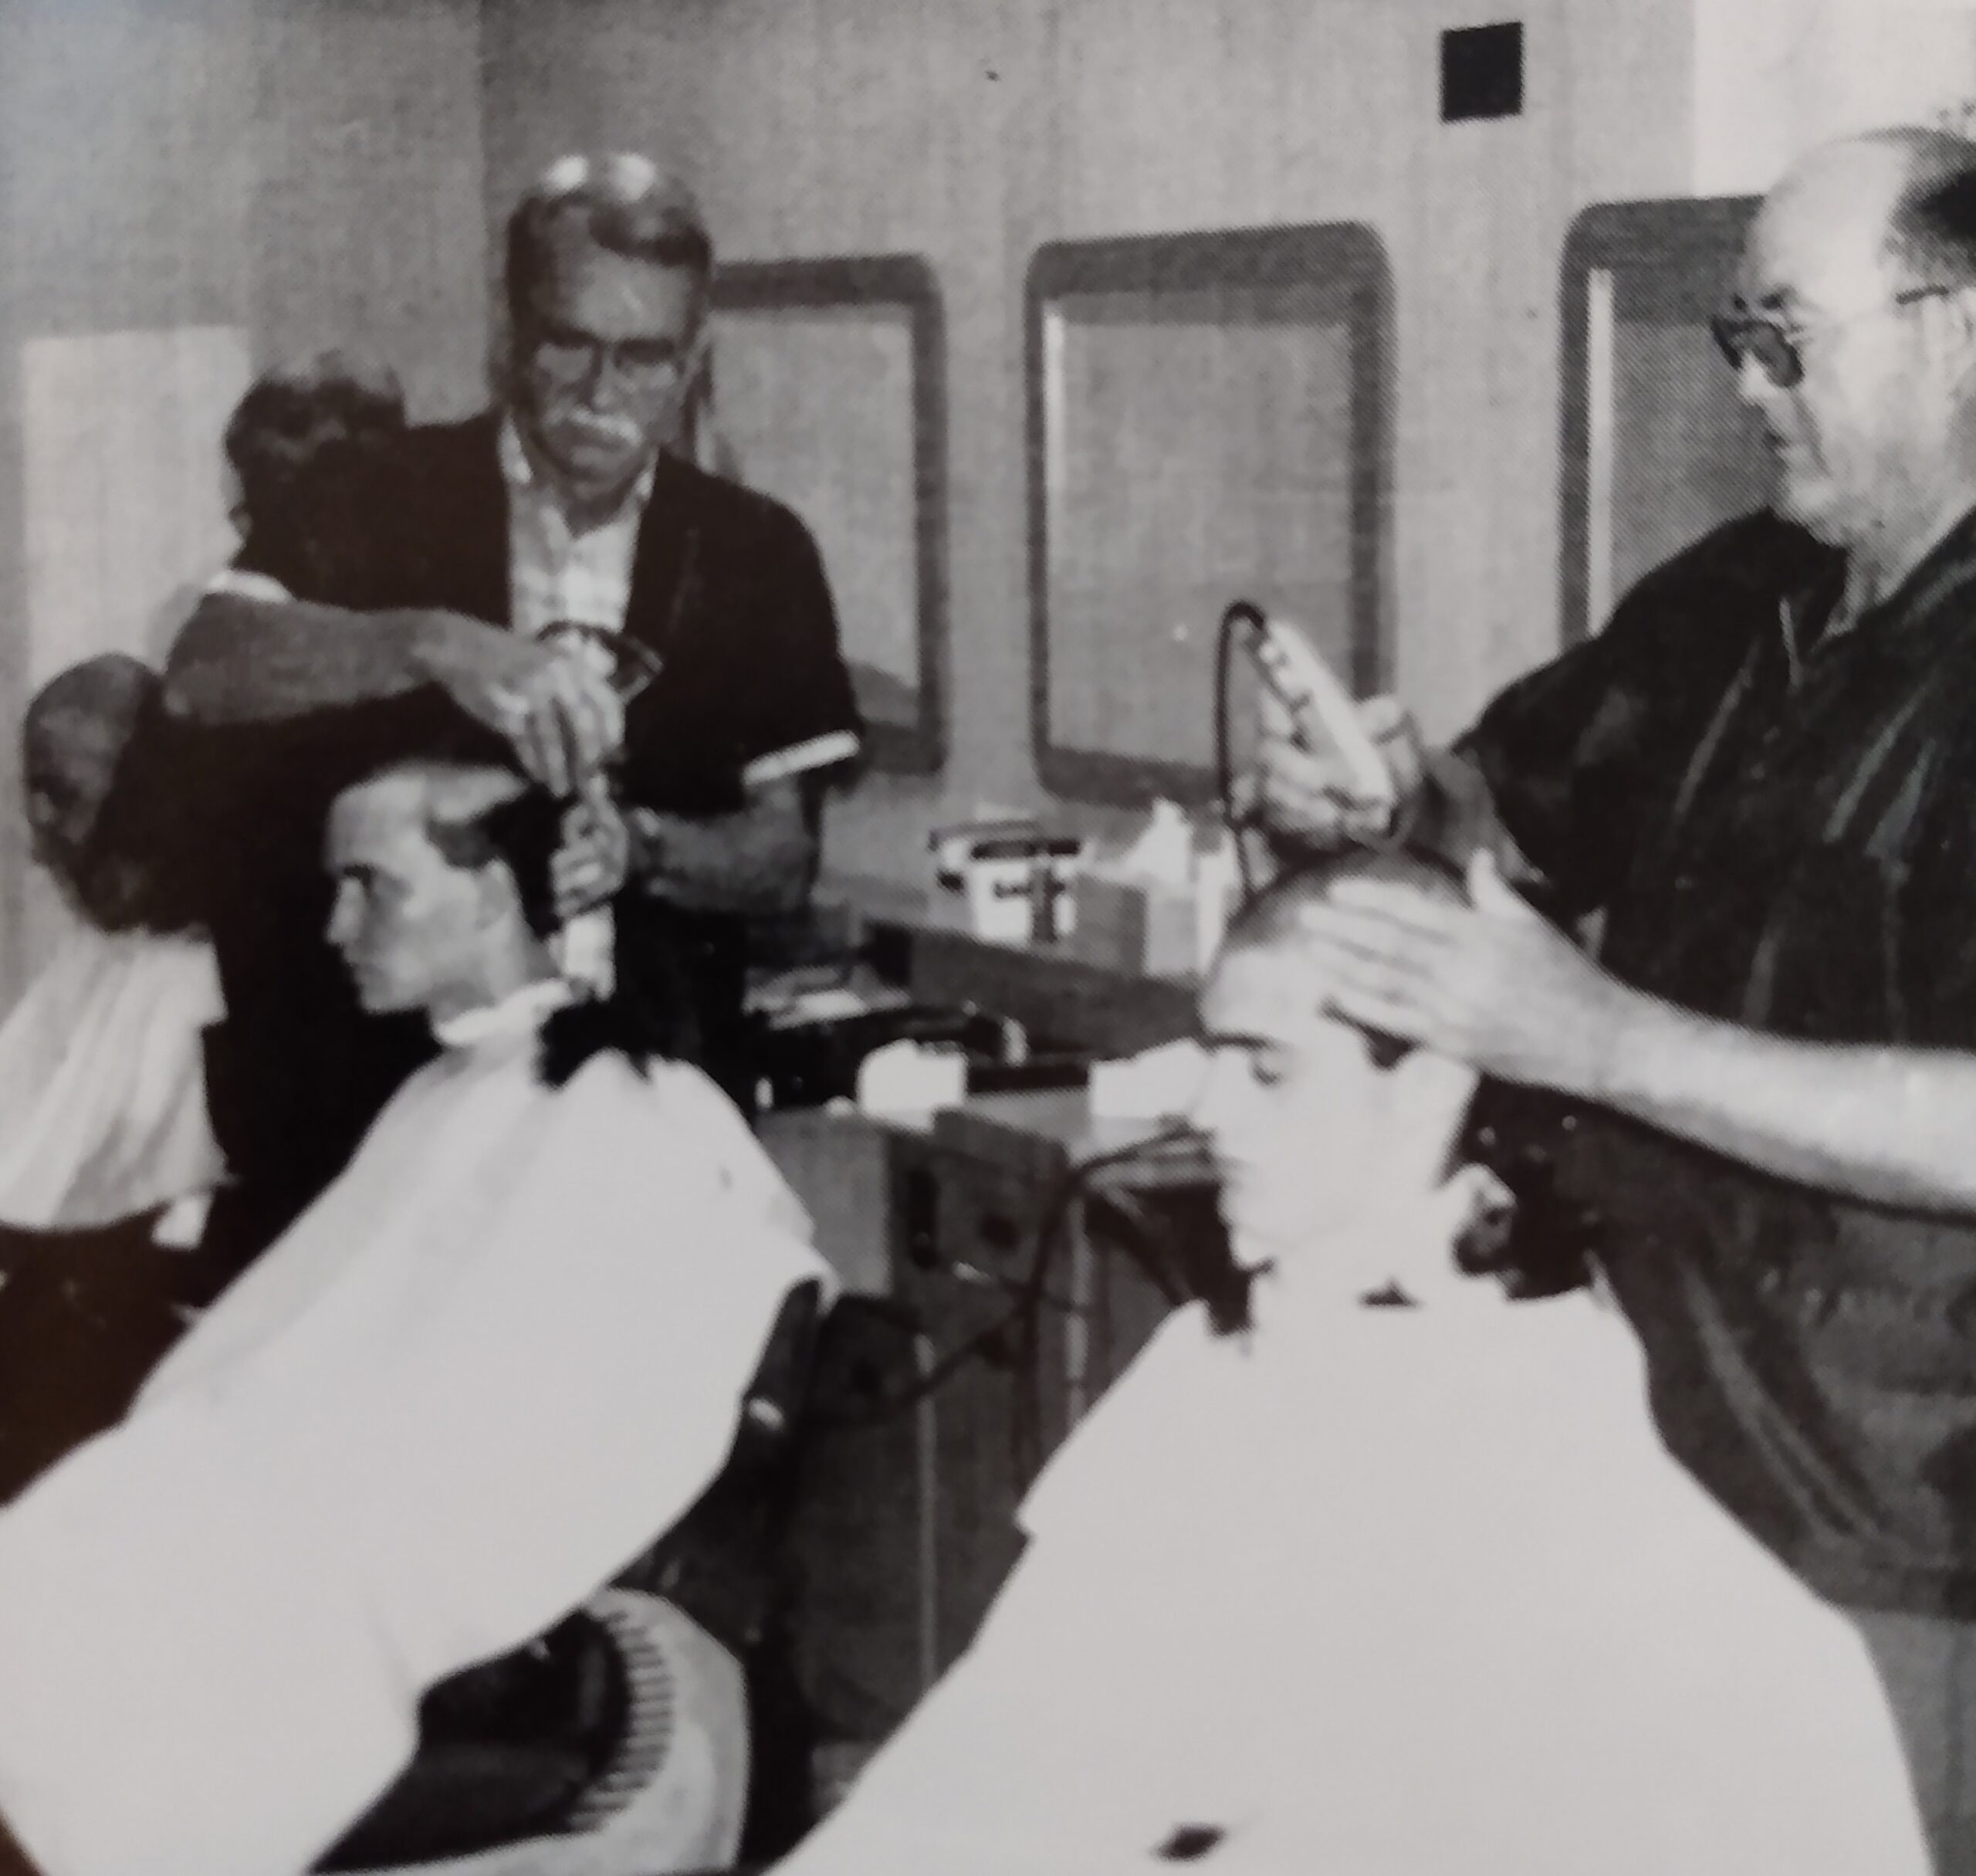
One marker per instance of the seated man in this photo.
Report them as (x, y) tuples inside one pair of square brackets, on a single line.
[(103, 1111), (1379, 1590), (499, 1357)]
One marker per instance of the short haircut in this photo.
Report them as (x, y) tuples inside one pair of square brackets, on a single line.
[(477, 813), (1551, 1237), (1931, 228), (623, 203), (1271, 917), (112, 690)]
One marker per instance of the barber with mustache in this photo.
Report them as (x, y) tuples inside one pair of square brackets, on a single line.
[(1760, 1089), (562, 554)]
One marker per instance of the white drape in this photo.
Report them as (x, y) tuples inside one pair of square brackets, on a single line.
[(498, 1358), (1379, 1592), (102, 1107)]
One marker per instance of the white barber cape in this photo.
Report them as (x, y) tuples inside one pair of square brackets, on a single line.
[(1387, 1592), (495, 1361), (103, 1096)]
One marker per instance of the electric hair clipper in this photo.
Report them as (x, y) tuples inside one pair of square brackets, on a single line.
[(1320, 708)]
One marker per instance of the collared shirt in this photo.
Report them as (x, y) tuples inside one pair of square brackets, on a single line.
[(1779, 824), (556, 573), (521, 1011)]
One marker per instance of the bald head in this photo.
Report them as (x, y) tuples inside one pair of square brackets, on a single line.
[(1887, 206), (73, 738), (1855, 324), (1274, 917), (113, 687)]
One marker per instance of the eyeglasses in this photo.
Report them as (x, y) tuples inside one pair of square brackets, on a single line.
[(1779, 349), (570, 357)]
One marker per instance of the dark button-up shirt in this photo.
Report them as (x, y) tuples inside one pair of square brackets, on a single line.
[(1778, 825)]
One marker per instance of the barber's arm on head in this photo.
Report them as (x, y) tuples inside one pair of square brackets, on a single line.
[(1495, 984), (243, 660)]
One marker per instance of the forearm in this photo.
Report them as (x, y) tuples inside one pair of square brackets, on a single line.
[(1894, 1126), (245, 661), (761, 859)]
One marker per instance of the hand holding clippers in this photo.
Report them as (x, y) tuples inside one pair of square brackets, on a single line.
[(1318, 711)]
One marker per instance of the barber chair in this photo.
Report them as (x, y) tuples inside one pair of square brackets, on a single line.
[(85, 1315), (574, 1755)]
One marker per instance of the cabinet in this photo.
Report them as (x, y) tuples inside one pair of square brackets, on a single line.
[(907, 1526)]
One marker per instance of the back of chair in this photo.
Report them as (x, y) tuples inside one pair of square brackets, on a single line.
[(507, 1747), (721, 1562)]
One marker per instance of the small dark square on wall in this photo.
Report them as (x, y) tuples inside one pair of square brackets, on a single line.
[(1482, 72)]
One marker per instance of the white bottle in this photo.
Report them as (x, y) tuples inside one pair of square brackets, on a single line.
[(1164, 850), (1217, 884)]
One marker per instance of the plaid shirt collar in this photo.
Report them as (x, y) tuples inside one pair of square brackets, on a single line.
[(555, 572)]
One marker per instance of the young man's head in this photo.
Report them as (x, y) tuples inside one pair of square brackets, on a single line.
[(608, 266), (1309, 1118), (441, 873), (73, 738)]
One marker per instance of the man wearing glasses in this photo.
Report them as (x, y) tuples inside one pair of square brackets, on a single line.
[(575, 510), (605, 604), (1760, 778)]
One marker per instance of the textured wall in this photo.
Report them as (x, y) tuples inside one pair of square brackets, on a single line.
[(974, 132), (311, 170), (306, 170)]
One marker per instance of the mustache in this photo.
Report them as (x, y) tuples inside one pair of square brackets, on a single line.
[(610, 425)]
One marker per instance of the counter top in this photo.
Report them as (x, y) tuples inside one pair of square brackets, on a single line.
[(1054, 995)]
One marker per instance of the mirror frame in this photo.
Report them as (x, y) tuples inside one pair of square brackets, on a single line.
[(1682, 251), (1346, 262), (887, 282)]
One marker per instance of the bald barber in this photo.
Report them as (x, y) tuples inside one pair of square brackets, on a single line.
[(1762, 774)]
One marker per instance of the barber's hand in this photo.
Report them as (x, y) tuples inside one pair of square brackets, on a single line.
[(561, 715), (1312, 799), (1492, 982), (589, 866)]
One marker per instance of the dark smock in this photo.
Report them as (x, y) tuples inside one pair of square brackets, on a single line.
[(1779, 828), (728, 591)]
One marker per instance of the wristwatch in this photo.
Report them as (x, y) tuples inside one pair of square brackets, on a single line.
[(647, 857)]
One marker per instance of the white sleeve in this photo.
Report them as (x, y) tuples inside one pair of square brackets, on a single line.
[(237, 582)]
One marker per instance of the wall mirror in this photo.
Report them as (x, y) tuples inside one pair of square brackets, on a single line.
[(828, 394), (1209, 419), (1657, 448)]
